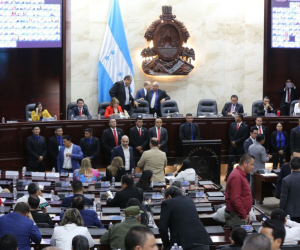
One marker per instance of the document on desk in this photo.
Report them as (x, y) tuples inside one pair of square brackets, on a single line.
[(269, 175)]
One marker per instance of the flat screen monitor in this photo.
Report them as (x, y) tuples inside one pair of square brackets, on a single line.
[(285, 24), (30, 23)]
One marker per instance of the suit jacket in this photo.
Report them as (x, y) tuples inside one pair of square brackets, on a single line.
[(89, 217), (118, 176), (91, 150), (275, 149), (293, 95), (109, 111), (41, 218), (135, 140), (156, 161), (161, 95), (66, 202), (260, 155), (295, 139), (140, 94), (179, 214), (247, 144), (118, 151), (53, 145), (289, 198), (163, 137), (185, 132), (108, 139), (285, 171), (75, 157), (85, 111), (261, 109), (267, 137), (36, 149), (121, 198), (240, 135), (227, 108), (118, 91), (22, 228)]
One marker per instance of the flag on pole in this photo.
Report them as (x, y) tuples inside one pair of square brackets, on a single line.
[(114, 61)]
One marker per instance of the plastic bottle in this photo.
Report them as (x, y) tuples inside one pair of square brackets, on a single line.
[(110, 225), (23, 171), (113, 181), (132, 171), (2, 212), (52, 195), (175, 246), (56, 225), (183, 191), (163, 192), (180, 248), (55, 118), (288, 217), (72, 117), (94, 207), (196, 182), (53, 170), (99, 209), (14, 181), (151, 184), (15, 193), (99, 117), (155, 115), (3, 120)]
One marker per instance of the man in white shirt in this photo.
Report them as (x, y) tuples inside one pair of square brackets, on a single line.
[(33, 188), (125, 152), (141, 94)]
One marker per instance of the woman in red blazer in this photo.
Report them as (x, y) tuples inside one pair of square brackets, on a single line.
[(113, 108)]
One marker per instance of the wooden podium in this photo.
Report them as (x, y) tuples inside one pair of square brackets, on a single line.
[(204, 156)]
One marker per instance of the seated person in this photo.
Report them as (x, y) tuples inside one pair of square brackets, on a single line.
[(115, 169), (238, 235), (128, 191), (145, 180), (297, 108), (177, 184), (8, 241), (186, 172), (233, 108), (77, 189), (34, 203), (39, 113), (80, 242), (113, 108), (71, 225), (80, 111), (86, 173), (33, 189), (265, 107), (89, 217)]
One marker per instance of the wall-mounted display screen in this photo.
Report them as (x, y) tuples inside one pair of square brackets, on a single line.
[(30, 23)]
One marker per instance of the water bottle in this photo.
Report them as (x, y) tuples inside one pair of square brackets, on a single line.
[(23, 171), (56, 225), (2, 209), (288, 217), (113, 181), (52, 195), (196, 182), (183, 191), (180, 248), (110, 225), (15, 193), (163, 192), (14, 181), (94, 207), (72, 117), (99, 209), (171, 182), (132, 171), (172, 248), (3, 120), (175, 246), (55, 118), (168, 111), (53, 170), (99, 117), (155, 115), (151, 184)]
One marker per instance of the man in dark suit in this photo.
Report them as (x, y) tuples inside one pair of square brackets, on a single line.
[(90, 146), (189, 130), (288, 93), (155, 97), (89, 217), (77, 189), (295, 137), (125, 152), (54, 144), (34, 202), (251, 139), (21, 224), (179, 215), (121, 90), (238, 133), (289, 198), (36, 150), (80, 111), (111, 137), (264, 107), (142, 93), (233, 107), (128, 191), (138, 139), (161, 134), (261, 129)]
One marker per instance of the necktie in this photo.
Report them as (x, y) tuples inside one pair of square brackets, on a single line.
[(140, 132), (231, 108), (153, 100), (192, 136), (116, 138), (259, 129), (38, 139), (237, 126), (80, 112), (158, 135), (288, 93)]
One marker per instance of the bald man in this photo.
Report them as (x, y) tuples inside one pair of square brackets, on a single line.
[(142, 93), (125, 152)]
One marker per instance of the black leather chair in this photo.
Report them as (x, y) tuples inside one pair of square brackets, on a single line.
[(292, 106), (70, 107), (101, 109), (142, 109), (254, 107), (207, 106), (28, 109), (169, 106)]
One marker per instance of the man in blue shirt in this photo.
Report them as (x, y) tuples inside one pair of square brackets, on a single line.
[(20, 223)]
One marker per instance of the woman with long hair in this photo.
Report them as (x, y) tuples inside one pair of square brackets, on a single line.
[(115, 169), (113, 108), (186, 172), (39, 113), (145, 180), (86, 174)]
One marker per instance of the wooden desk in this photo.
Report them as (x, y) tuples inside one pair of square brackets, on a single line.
[(263, 186)]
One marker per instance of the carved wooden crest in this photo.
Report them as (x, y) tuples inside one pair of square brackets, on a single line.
[(168, 56)]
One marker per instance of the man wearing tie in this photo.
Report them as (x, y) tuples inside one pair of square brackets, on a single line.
[(36, 150), (288, 94), (161, 134), (111, 137), (295, 137), (189, 130), (265, 107), (262, 130), (138, 138), (121, 90), (54, 144), (251, 140), (90, 146), (155, 97), (142, 93), (80, 111), (233, 107)]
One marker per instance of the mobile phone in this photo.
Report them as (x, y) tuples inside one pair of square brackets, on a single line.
[(45, 204)]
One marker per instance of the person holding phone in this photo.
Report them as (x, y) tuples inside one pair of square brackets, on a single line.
[(34, 203), (39, 113), (288, 93)]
